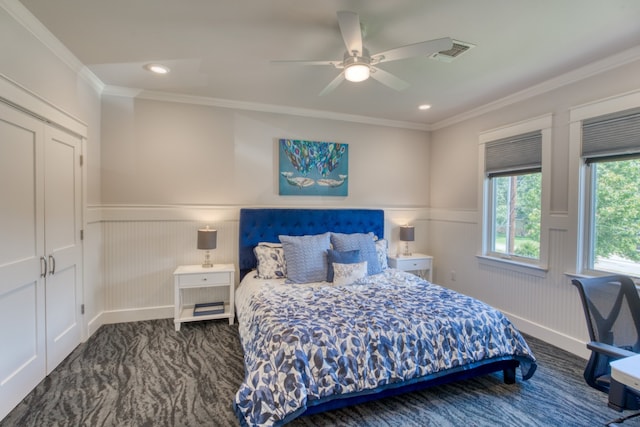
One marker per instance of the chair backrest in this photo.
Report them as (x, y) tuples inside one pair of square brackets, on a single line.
[(612, 309)]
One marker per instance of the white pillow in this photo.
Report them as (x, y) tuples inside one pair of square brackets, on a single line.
[(271, 262), (346, 274)]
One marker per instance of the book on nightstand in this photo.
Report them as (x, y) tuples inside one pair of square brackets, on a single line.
[(207, 308)]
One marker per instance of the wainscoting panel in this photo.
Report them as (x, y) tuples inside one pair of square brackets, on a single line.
[(93, 278), (563, 297), (140, 257)]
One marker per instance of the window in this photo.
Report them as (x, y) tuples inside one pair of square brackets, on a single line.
[(513, 169), (611, 155), (513, 203), (515, 229)]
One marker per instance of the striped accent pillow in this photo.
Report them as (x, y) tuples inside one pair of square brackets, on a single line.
[(306, 257)]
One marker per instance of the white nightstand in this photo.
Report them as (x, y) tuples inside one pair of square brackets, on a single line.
[(191, 277), (414, 262)]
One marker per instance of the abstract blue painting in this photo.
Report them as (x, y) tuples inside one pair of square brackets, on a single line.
[(313, 168)]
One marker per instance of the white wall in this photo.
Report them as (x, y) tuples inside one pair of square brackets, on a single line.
[(157, 152), (547, 307)]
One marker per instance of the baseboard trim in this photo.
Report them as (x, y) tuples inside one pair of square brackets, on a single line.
[(94, 324), (130, 315), (565, 342)]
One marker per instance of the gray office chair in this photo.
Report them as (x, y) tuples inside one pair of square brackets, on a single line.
[(612, 309)]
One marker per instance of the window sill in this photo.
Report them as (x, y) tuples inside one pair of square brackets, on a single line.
[(576, 275), (594, 273), (509, 264)]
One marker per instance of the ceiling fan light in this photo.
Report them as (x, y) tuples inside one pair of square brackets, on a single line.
[(356, 72)]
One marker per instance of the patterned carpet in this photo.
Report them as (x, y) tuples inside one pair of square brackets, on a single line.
[(146, 374)]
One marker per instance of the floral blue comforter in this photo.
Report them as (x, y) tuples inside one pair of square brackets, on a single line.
[(304, 344)]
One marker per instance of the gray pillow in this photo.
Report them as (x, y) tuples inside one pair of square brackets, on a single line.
[(362, 241), (306, 257)]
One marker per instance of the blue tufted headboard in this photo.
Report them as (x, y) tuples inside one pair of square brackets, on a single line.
[(265, 225)]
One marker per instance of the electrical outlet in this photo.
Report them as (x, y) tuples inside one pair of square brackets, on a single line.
[(453, 275)]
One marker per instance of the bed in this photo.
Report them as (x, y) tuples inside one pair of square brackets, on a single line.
[(364, 332)]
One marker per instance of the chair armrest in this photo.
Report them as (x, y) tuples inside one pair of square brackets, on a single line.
[(609, 350)]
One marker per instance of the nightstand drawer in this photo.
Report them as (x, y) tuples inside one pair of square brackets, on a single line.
[(205, 279), (413, 264)]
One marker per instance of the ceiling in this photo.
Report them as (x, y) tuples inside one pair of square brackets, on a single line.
[(223, 50)]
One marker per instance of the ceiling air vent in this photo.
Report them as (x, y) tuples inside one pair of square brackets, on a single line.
[(449, 55)]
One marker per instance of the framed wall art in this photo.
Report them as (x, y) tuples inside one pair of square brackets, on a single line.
[(313, 168)]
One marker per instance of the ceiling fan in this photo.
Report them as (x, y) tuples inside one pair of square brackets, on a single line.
[(358, 65)]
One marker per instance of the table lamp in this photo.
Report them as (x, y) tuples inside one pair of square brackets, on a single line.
[(207, 239), (407, 234)]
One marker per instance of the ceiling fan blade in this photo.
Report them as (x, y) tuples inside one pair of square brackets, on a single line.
[(304, 62), (388, 79), (349, 23), (416, 49), (331, 86)]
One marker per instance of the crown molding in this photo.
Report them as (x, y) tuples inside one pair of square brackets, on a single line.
[(22, 15), (595, 68), (254, 106)]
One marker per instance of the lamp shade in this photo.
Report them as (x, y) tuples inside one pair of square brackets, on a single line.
[(407, 233), (207, 238)]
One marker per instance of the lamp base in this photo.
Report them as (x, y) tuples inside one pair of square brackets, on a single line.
[(406, 249), (207, 261)]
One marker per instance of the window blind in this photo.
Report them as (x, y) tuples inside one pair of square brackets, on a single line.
[(516, 154), (612, 135)]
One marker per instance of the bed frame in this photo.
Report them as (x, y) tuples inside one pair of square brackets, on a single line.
[(265, 225)]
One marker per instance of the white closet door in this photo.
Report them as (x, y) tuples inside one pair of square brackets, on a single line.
[(22, 307), (63, 223)]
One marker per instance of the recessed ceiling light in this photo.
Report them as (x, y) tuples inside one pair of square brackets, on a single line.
[(424, 107), (156, 68)]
